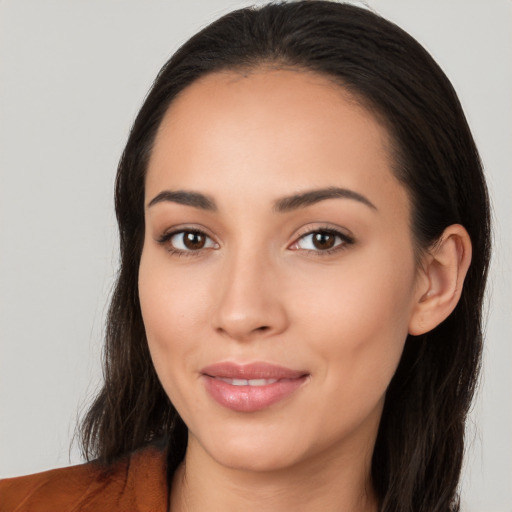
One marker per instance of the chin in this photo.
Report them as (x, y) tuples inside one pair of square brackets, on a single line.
[(251, 450)]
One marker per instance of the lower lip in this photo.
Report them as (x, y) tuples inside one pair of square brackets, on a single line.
[(251, 398)]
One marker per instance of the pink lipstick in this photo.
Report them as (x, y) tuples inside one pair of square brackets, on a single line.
[(250, 387)]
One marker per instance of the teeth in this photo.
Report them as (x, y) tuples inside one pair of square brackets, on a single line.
[(261, 382), (250, 382)]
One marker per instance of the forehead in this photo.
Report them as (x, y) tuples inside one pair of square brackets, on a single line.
[(270, 131)]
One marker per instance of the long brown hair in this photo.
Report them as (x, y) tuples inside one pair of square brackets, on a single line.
[(420, 444)]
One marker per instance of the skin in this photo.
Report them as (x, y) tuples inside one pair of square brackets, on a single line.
[(259, 290)]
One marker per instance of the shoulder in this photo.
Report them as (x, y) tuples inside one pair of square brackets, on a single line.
[(137, 482)]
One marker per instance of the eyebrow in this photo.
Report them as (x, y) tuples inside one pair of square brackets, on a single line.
[(287, 204), (283, 205), (185, 197)]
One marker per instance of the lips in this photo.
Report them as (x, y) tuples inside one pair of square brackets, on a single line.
[(250, 387)]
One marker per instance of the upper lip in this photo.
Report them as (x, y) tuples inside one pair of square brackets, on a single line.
[(248, 371)]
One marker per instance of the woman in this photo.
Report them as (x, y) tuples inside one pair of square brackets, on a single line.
[(304, 246)]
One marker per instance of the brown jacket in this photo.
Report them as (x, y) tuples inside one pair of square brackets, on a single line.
[(137, 483)]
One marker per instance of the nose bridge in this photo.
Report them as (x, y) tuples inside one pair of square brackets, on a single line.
[(249, 303)]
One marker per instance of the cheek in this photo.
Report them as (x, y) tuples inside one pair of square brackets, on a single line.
[(171, 303), (359, 319)]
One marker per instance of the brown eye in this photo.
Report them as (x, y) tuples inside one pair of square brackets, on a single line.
[(188, 241), (323, 240), (193, 240)]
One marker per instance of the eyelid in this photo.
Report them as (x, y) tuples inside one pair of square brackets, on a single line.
[(180, 228), (166, 237), (345, 237)]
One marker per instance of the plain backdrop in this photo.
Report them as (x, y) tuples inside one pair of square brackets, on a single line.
[(73, 74)]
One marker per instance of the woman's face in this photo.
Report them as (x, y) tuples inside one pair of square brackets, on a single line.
[(277, 278)]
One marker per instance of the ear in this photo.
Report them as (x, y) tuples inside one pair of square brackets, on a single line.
[(441, 278)]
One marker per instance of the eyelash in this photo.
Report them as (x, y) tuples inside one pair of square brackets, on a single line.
[(345, 240), (165, 239)]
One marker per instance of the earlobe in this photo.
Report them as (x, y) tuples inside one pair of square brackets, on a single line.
[(445, 268)]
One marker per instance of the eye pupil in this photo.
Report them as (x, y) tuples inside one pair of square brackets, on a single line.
[(193, 240), (323, 240)]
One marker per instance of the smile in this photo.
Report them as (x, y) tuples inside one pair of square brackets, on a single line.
[(251, 387)]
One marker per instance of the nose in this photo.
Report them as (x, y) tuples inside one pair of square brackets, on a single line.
[(250, 303)]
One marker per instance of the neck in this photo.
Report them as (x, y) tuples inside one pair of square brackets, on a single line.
[(328, 482)]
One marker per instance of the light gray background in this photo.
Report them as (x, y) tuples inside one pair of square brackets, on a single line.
[(72, 76)]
